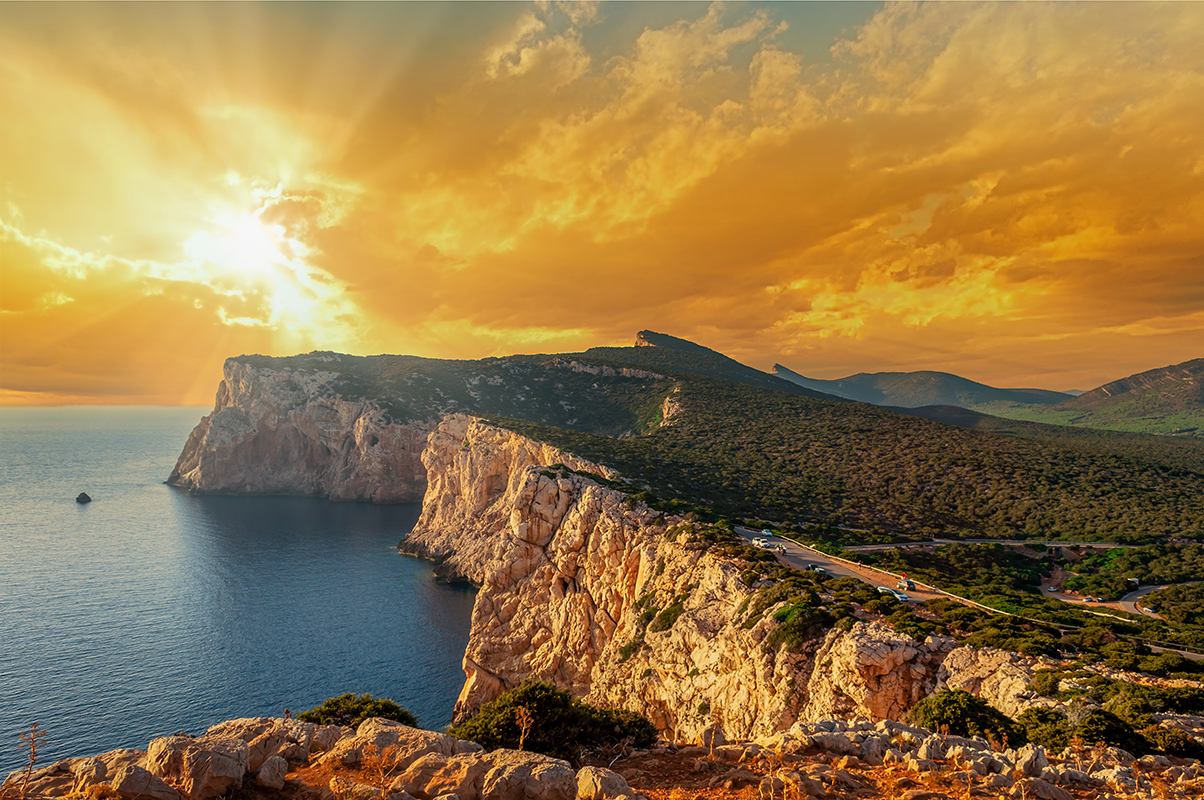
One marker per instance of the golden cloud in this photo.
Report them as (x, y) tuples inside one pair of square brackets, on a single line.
[(1009, 189)]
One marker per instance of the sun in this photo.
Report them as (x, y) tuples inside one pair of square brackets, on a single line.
[(244, 246)]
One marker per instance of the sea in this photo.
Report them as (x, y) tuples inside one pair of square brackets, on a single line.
[(150, 611)]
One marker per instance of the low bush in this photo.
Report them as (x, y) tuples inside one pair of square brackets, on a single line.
[(1174, 742), (352, 709), (1046, 727), (966, 715), (562, 725)]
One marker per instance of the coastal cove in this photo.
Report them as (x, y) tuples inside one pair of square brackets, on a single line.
[(151, 611)]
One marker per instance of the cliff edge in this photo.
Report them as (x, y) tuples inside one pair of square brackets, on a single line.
[(626, 607), (289, 432)]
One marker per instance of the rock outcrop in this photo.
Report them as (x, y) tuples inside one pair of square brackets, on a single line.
[(289, 432), (614, 602), (1000, 677), (872, 671)]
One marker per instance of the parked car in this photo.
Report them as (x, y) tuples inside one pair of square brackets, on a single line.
[(819, 569), (759, 543), (905, 584), (895, 593)]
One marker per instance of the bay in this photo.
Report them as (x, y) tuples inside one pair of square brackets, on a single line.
[(151, 611)]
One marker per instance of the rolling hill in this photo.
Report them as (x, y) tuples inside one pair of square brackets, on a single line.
[(915, 389), (1167, 401)]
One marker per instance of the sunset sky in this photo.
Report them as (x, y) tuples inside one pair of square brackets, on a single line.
[(1013, 192)]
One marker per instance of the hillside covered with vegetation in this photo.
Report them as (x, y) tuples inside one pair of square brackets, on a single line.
[(749, 452)]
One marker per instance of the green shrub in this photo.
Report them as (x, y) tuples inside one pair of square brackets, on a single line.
[(1174, 742), (352, 709), (1046, 727), (966, 715), (665, 619), (1100, 726), (563, 726)]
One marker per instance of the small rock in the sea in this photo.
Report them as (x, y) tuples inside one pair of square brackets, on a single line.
[(83, 498)]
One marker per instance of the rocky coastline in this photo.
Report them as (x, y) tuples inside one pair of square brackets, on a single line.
[(265, 758), (619, 604)]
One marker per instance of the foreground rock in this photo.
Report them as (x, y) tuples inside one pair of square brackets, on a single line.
[(406, 744), (200, 768), (500, 775), (821, 759)]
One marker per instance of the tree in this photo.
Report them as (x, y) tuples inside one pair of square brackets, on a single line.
[(352, 709), (966, 715)]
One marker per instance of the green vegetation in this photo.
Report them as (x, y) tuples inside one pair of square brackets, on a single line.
[(768, 451), (1185, 453), (963, 714), (561, 725), (1123, 720), (1165, 400), (552, 390), (1183, 604), (753, 453), (352, 709), (1003, 578), (1107, 574)]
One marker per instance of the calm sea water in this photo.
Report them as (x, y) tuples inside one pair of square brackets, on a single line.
[(150, 611)]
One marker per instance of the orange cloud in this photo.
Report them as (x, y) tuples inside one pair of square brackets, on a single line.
[(1011, 191)]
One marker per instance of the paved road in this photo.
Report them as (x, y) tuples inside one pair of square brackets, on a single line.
[(799, 557), (1129, 601)]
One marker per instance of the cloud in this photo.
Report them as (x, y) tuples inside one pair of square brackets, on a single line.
[(992, 185)]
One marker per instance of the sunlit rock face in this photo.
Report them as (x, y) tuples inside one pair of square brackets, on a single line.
[(288, 432), (571, 573)]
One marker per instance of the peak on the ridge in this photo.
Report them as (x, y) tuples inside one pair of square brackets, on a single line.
[(654, 339)]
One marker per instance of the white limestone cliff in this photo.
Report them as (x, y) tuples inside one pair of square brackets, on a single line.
[(288, 432), (567, 567)]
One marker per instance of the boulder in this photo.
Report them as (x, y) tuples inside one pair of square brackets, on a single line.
[(88, 773), (1031, 760), (200, 768), (1035, 787), (599, 783), (382, 734), (326, 736), (269, 736), (136, 783), (55, 779), (271, 773), (83, 497), (712, 736), (500, 775), (346, 789)]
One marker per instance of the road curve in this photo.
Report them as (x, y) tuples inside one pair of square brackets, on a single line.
[(800, 557)]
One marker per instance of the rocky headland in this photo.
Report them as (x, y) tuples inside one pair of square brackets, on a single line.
[(623, 606)]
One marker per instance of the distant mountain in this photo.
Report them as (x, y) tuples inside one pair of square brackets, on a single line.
[(915, 389), (1167, 390), (1167, 400), (660, 351)]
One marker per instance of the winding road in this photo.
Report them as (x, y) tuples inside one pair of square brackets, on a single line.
[(802, 558)]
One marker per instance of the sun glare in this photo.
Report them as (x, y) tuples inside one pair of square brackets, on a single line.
[(264, 272), (243, 246)]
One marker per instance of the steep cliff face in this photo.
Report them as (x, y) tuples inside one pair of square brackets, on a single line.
[(615, 603), (567, 567), (287, 432), (872, 671)]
